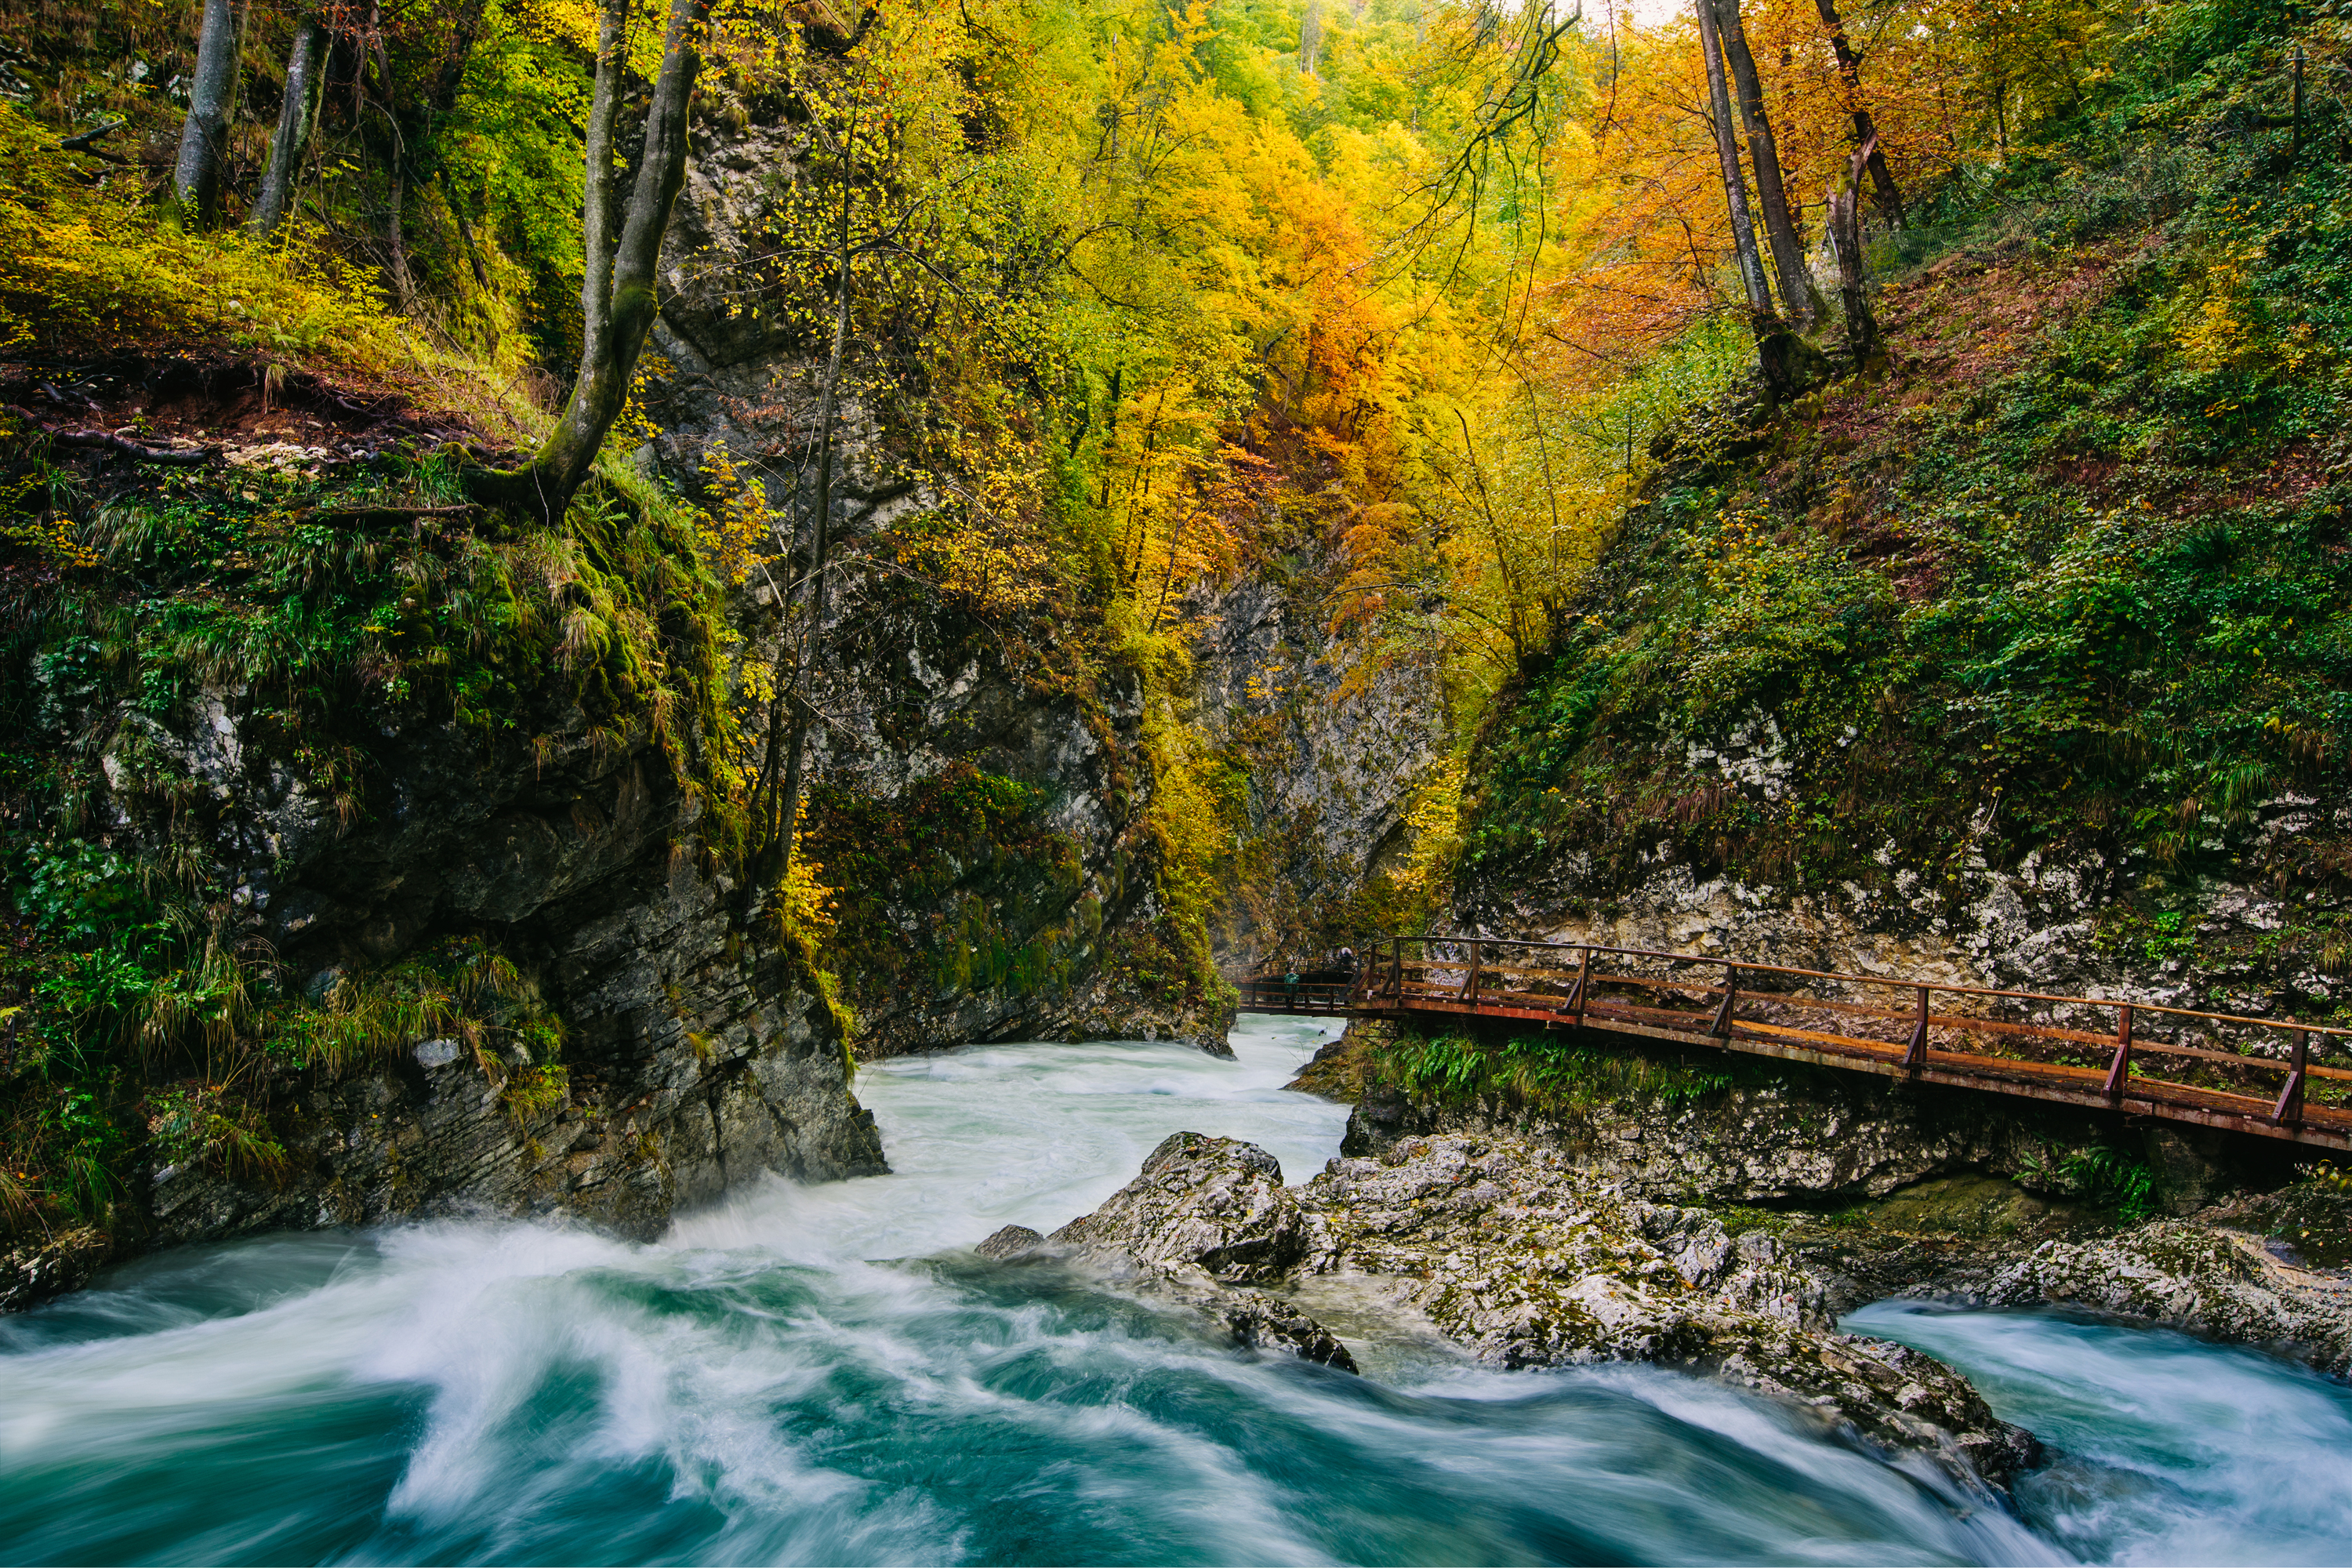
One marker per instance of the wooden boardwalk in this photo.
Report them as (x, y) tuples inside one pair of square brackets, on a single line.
[(2272, 1078)]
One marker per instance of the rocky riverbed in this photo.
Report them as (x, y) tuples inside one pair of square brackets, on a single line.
[(1533, 1242), (1520, 1257)]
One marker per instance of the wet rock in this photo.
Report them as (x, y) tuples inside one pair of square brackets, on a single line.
[(1528, 1261), (33, 1272), (2221, 1284), (1268, 1322), (1010, 1242), (1215, 1204), (1513, 1252)]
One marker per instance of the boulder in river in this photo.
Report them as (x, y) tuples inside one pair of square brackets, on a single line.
[(2220, 1284), (1010, 1242), (1211, 1203), (1527, 1261)]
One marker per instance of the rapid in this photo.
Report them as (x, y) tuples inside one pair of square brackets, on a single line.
[(824, 1374)]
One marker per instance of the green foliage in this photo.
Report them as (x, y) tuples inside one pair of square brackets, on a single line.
[(324, 614), (973, 844), (1539, 1073), (2100, 1174), (2072, 581)]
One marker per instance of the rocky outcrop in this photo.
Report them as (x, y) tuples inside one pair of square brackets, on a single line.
[(930, 700), (1529, 1260), (32, 1271), (1337, 740), (1211, 1203), (2216, 1283), (1791, 1133), (693, 1053), (1524, 1260), (1206, 1214), (1871, 1191)]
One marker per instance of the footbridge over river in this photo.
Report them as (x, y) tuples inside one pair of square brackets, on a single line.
[(2269, 1076)]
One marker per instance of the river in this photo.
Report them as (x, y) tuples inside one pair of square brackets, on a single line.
[(816, 1376)]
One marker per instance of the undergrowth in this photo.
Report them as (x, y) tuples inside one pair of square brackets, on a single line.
[(1537, 1072), (2072, 580)]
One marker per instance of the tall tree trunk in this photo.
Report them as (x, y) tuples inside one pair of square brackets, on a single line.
[(1735, 186), (1846, 237), (1798, 295), (306, 80), (617, 296), (1310, 38), (1866, 131), (1774, 342), (788, 813), (204, 137)]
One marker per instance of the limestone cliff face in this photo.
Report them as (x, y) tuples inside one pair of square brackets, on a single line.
[(978, 793), (1336, 744), (696, 1054)]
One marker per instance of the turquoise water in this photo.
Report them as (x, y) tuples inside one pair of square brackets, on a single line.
[(768, 1384)]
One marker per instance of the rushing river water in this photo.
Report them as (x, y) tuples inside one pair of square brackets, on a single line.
[(768, 1385)]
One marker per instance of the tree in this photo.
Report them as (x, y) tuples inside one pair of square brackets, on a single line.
[(1780, 353), (1846, 237), (1866, 131), (204, 136), (306, 83), (1798, 295), (780, 831), (618, 299), (1734, 184)]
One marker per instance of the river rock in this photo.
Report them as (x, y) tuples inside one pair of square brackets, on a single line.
[(33, 1272), (2217, 1283), (1527, 1260), (1010, 1242), (1215, 1204), (1264, 1321)]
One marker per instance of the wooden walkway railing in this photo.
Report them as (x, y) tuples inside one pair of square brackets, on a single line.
[(2278, 1079)]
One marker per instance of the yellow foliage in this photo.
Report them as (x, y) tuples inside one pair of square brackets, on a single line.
[(89, 268), (742, 536)]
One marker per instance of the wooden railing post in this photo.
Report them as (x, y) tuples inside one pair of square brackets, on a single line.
[(1721, 1028), (2290, 1100), (1915, 1055), (1576, 992), (2121, 1069), (1396, 969), (1470, 981)]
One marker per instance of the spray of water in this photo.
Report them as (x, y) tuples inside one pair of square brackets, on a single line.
[(822, 1375)]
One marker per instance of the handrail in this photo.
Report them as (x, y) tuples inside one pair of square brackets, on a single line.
[(1945, 987)]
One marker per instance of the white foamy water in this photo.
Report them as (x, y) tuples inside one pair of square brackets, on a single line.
[(823, 1375)]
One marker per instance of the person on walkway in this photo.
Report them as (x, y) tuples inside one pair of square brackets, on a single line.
[(1290, 985)]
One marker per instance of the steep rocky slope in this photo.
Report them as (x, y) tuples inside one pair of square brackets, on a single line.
[(2018, 662), (1332, 745), (983, 787)]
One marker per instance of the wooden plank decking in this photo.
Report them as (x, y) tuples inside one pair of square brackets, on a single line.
[(2271, 1078)]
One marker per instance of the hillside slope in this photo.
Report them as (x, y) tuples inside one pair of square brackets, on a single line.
[(2025, 658)]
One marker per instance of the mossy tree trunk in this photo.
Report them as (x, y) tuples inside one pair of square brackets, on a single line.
[(617, 296), (306, 81), (1845, 235), (204, 136)]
